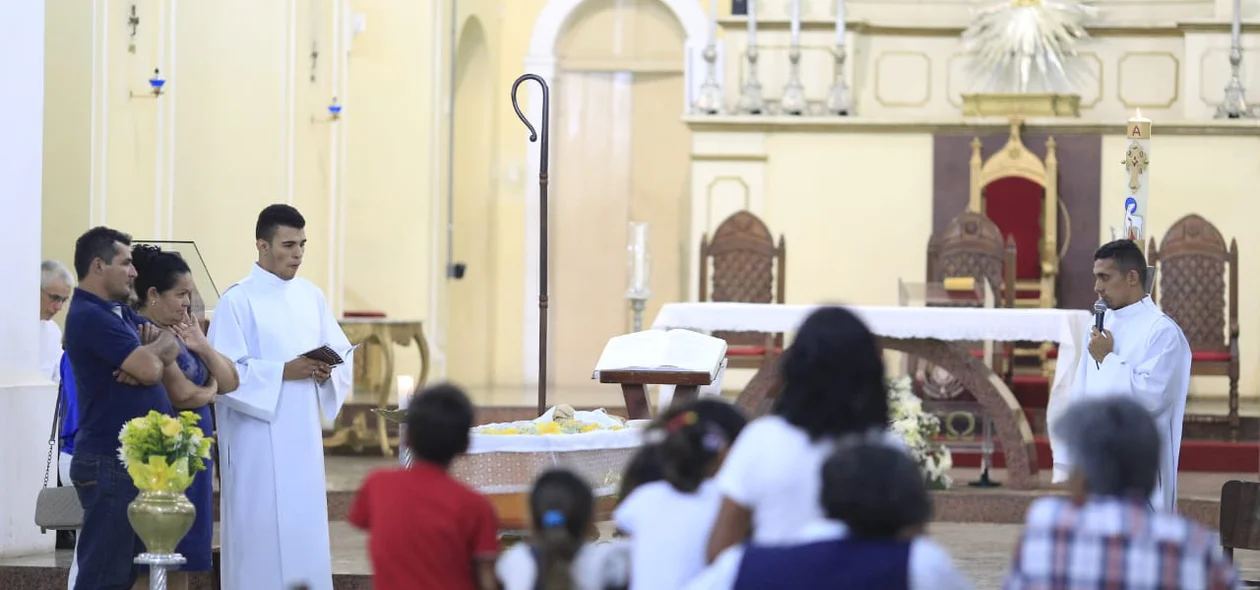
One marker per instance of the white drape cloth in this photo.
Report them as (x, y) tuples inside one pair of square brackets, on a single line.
[(1062, 326)]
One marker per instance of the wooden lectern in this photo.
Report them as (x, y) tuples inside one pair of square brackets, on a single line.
[(685, 359), (634, 384)]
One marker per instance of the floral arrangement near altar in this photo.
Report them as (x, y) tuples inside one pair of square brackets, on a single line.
[(162, 453), (919, 430), (561, 419)]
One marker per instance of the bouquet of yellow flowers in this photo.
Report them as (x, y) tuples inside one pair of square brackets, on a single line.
[(162, 453)]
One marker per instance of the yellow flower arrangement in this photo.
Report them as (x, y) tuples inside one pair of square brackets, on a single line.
[(162, 453), (549, 427)]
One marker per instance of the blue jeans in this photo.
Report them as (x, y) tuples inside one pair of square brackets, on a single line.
[(107, 545)]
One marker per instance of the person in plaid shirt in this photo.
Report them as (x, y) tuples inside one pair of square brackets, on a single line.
[(1106, 535)]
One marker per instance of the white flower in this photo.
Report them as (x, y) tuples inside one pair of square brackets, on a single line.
[(918, 429)]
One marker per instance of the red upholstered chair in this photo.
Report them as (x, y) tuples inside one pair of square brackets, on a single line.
[(1020, 193), (747, 267), (1192, 281)]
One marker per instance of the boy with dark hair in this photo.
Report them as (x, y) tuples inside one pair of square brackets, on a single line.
[(428, 530)]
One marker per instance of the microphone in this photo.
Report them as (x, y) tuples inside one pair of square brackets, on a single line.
[(1100, 308)]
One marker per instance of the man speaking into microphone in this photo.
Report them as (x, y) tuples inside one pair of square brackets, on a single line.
[(1139, 353)]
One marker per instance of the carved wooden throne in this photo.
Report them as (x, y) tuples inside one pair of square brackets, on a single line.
[(1192, 260), (747, 267), (971, 245), (1020, 193)]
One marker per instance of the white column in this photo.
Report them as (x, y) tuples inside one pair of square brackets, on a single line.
[(26, 398)]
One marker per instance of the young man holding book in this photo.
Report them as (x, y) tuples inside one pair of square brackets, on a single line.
[(274, 530)]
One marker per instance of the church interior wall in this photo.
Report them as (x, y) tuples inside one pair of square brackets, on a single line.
[(234, 132), (856, 222)]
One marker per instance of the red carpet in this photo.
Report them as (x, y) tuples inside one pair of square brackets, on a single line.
[(1033, 393), (1196, 455)]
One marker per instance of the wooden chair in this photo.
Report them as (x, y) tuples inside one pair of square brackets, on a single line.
[(971, 245), (1239, 524), (747, 267), (1191, 276)]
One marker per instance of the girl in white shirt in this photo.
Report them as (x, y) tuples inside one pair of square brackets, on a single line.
[(879, 493), (559, 557), (668, 521), (832, 385)]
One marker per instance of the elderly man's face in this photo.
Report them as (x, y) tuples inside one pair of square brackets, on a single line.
[(52, 298)]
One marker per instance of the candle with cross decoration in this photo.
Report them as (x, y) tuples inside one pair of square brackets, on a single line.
[(1137, 164)]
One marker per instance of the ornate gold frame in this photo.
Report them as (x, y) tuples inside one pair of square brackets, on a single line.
[(1016, 160)]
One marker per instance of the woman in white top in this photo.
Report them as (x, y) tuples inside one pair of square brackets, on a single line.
[(668, 521), (879, 493), (559, 556), (832, 385)]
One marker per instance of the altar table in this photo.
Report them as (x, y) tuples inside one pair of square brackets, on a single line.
[(932, 333)]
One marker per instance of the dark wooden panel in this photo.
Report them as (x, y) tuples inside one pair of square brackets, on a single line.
[(1080, 171)]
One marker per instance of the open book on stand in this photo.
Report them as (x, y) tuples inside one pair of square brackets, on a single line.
[(663, 350), (325, 354)]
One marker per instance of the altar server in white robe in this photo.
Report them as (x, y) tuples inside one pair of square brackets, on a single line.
[(1140, 353), (274, 513)]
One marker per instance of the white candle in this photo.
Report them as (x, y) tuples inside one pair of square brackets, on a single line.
[(796, 23), (1236, 26), (840, 23), (640, 259), (712, 21), (405, 385), (752, 24), (1137, 160)]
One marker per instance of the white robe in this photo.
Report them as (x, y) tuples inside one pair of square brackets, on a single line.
[(1151, 364), (274, 511)]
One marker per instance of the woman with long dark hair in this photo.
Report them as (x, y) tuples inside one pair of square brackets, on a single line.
[(163, 292), (833, 385)]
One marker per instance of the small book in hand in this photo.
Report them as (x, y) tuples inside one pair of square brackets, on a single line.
[(325, 354)]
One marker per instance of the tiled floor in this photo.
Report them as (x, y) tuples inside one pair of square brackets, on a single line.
[(981, 551)]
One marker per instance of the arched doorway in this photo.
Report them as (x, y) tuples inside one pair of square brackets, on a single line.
[(470, 300), (621, 155)]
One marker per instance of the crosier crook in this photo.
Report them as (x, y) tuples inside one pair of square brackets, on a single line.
[(542, 221)]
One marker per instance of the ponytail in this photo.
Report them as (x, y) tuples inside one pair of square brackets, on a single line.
[(556, 548), (563, 506)]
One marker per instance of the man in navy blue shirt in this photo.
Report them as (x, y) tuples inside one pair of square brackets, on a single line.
[(118, 378)]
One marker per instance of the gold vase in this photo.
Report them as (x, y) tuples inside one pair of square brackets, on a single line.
[(161, 519)]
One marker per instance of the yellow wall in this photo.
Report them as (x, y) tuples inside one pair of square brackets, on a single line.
[(857, 218), (235, 132), (852, 227), (1214, 177), (242, 125)]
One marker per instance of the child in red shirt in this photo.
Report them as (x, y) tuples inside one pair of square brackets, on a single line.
[(427, 530)]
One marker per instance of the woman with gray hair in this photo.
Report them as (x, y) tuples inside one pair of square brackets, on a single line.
[(1106, 534)]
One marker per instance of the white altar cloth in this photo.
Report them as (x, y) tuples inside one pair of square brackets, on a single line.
[(1063, 326)]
